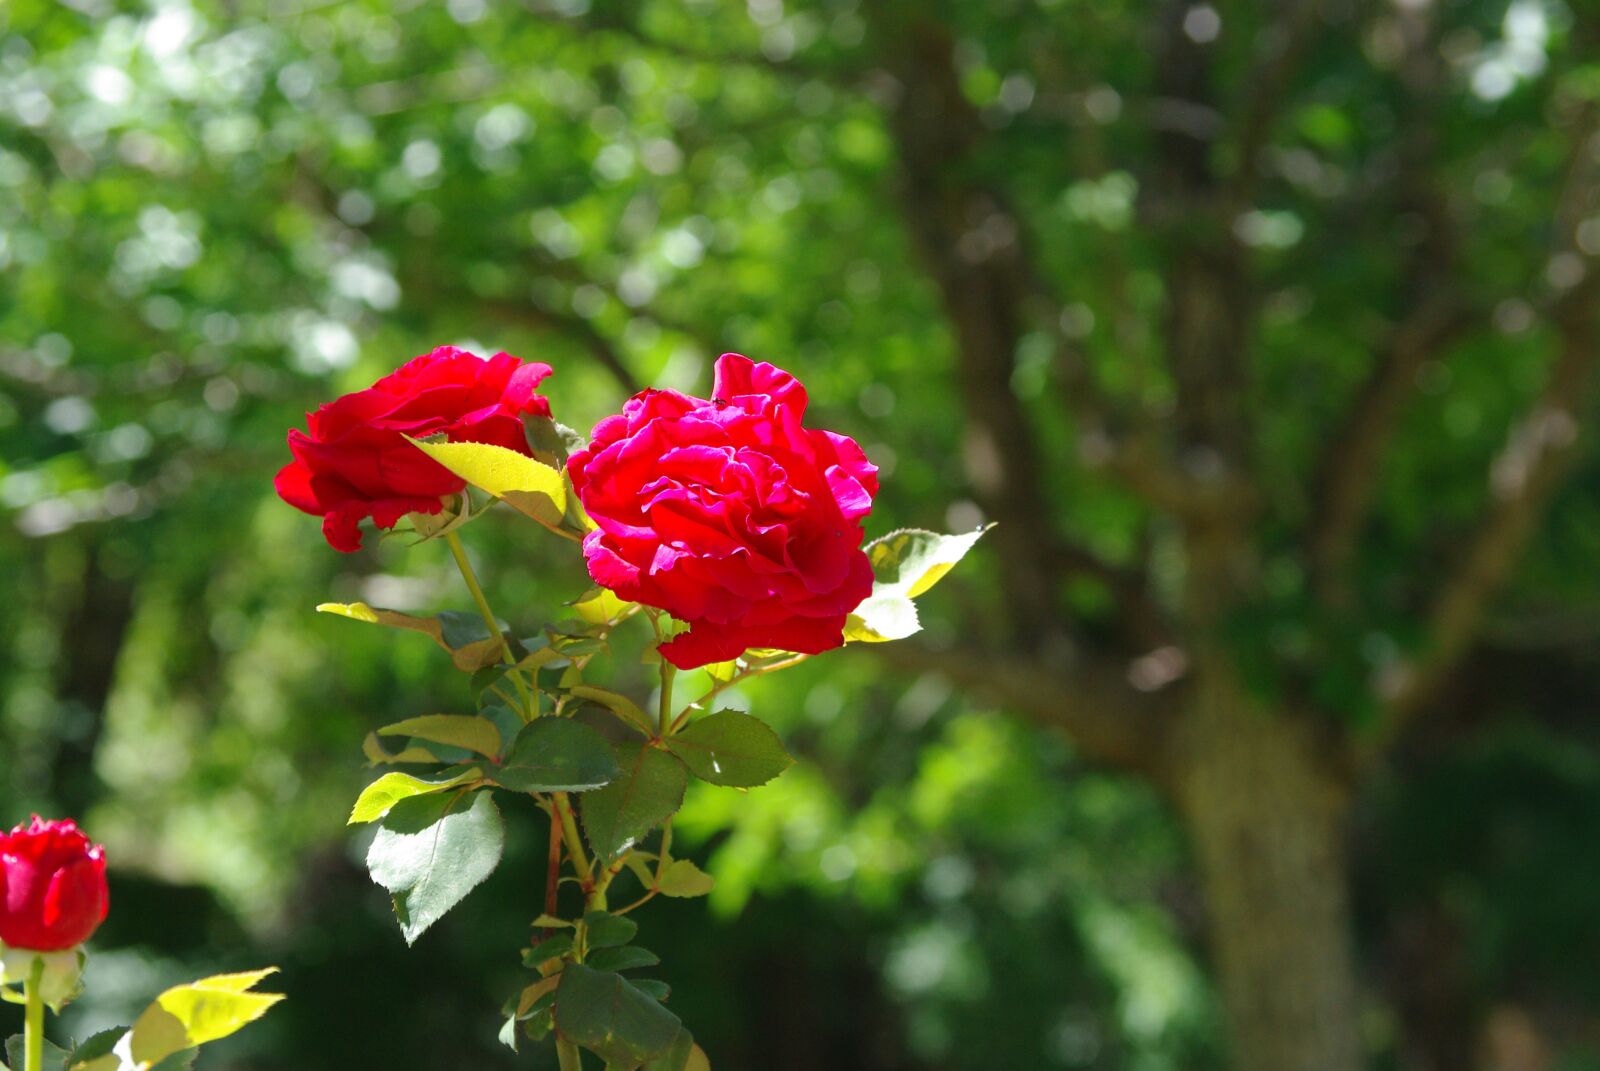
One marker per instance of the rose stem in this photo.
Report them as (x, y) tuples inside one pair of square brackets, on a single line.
[(33, 1026), (664, 714), (471, 578)]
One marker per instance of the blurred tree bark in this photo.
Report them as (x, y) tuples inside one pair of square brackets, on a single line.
[(1262, 788), (93, 630)]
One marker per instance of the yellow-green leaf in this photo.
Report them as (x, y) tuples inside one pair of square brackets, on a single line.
[(599, 606), (378, 755), (189, 1015), (683, 878), (462, 635), (518, 480), (377, 798), (457, 730)]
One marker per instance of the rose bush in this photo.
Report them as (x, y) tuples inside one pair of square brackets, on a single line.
[(726, 513), (53, 891), (729, 514), (354, 461)]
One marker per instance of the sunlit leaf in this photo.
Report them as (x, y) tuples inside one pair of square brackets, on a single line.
[(457, 730), (520, 481), (190, 1015), (378, 798)]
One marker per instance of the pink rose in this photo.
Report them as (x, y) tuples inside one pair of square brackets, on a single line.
[(356, 463), (53, 891), (729, 514)]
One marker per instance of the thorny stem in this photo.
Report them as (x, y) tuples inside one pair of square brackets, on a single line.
[(460, 554), (552, 882), (569, 831)]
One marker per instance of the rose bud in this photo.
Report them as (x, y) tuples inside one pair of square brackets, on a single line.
[(729, 514), (353, 461), (52, 886)]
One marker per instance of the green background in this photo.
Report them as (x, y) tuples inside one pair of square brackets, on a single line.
[(215, 216)]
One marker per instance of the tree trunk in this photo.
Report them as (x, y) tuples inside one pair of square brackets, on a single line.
[(1266, 814)]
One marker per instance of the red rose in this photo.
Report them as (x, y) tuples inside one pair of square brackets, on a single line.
[(356, 462), (52, 886), (729, 514)]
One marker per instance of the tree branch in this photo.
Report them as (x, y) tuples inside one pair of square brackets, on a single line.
[(1285, 43), (972, 244), (1347, 474), (576, 328), (1110, 721), (1540, 450), (1524, 477), (605, 21)]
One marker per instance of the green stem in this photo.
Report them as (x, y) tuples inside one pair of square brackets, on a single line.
[(33, 1025), (664, 713), (465, 566), (571, 1059), (739, 678)]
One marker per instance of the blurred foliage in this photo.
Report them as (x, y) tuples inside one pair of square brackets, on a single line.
[(213, 216)]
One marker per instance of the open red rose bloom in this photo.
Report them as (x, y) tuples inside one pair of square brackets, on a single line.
[(729, 514), (354, 460), (53, 891)]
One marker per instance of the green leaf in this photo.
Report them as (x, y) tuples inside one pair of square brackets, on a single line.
[(605, 930), (676, 1058), (55, 1059), (526, 485), (683, 878), (648, 792), (655, 987), (606, 1014), (730, 748), (625, 958), (458, 730), (97, 1046), (548, 949), (464, 636), (620, 705), (557, 755), (378, 798), (430, 856), (554, 439), (378, 755)]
